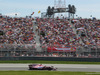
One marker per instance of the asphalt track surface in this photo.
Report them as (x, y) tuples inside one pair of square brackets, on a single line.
[(61, 67)]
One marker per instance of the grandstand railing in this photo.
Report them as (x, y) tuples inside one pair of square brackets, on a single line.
[(17, 49), (30, 50)]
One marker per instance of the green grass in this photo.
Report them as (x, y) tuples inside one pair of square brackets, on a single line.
[(49, 62), (45, 73)]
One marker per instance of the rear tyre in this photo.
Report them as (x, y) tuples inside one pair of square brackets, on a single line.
[(30, 68)]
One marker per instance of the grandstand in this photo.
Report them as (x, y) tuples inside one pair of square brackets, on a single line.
[(49, 37), (18, 35)]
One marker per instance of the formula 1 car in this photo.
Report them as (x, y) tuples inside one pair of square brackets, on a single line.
[(41, 67)]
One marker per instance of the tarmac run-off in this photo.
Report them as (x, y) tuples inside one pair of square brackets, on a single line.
[(61, 67)]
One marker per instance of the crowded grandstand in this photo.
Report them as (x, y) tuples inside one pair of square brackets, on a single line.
[(57, 37)]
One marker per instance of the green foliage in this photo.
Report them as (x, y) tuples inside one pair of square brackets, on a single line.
[(49, 62), (42, 73)]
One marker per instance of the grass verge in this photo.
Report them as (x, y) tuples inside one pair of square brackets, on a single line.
[(49, 62), (45, 73)]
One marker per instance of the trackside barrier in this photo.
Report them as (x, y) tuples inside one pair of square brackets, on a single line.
[(51, 59)]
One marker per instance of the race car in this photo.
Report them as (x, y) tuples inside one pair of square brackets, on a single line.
[(41, 67)]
